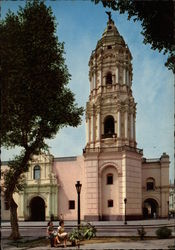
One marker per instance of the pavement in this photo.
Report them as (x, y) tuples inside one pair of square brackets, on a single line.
[(142, 245), (33, 230)]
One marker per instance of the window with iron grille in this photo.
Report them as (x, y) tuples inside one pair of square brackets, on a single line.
[(71, 204), (109, 179), (110, 203)]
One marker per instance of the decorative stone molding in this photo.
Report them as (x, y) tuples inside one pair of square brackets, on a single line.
[(156, 198), (34, 194), (109, 164)]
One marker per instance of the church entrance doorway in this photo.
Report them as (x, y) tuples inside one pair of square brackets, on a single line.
[(150, 209), (37, 209)]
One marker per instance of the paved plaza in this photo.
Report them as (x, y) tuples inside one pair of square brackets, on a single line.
[(34, 230), (146, 244)]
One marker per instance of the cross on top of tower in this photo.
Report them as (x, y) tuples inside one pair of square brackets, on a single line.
[(109, 15)]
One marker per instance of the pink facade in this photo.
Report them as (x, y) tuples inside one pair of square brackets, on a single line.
[(129, 176), (68, 171)]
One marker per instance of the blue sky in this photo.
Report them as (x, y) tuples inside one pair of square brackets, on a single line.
[(80, 26)]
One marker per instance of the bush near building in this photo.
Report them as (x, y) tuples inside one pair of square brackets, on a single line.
[(163, 232)]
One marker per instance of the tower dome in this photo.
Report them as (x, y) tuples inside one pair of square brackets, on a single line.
[(111, 36), (110, 111)]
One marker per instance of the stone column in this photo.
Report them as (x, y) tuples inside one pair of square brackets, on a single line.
[(117, 78), (132, 134), (91, 81), (115, 128), (45, 175), (126, 124), (92, 128), (31, 172), (127, 82), (134, 128), (99, 78), (98, 127), (130, 78), (87, 130), (119, 124), (124, 76)]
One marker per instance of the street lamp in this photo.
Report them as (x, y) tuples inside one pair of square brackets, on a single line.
[(78, 188), (125, 201), (168, 210)]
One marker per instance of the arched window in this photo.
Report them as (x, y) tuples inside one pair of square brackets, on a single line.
[(109, 179), (109, 78), (109, 126), (150, 184), (36, 172)]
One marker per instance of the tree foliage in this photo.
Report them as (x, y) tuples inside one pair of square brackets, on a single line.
[(36, 101), (157, 20)]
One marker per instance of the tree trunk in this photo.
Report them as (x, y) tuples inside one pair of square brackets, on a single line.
[(14, 220), (10, 189)]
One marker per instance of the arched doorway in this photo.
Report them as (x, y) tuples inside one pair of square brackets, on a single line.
[(150, 208), (37, 209)]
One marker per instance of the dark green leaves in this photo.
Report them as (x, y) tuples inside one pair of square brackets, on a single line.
[(35, 99)]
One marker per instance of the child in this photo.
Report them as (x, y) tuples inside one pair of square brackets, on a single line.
[(61, 234), (52, 234)]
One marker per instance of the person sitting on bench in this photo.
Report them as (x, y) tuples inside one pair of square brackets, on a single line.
[(61, 234), (52, 234)]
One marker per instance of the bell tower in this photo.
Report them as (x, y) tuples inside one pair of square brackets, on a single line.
[(112, 161), (111, 110)]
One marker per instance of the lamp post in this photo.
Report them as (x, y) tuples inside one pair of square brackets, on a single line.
[(125, 201), (78, 188), (168, 210)]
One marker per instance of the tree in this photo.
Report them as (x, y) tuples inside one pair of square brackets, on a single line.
[(36, 101), (157, 20)]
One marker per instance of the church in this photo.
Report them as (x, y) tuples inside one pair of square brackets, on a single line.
[(117, 180)]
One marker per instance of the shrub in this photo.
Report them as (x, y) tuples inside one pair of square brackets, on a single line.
[(85, 232), (75, 235), (163, 232), (88, 231)]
